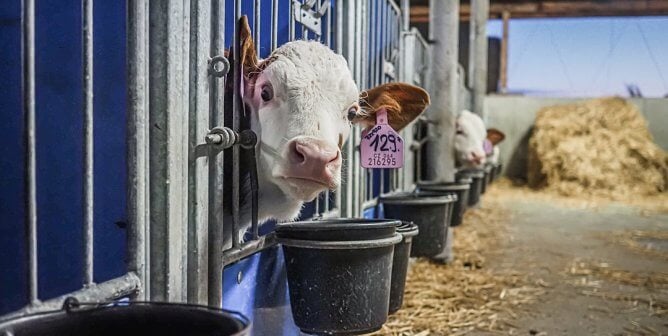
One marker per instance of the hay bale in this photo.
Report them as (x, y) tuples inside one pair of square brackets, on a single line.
[(600, 147)]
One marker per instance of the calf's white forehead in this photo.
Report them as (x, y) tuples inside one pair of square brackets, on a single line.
[(474, 132), (311, 76)]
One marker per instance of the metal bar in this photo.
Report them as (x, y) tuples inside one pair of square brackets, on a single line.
[(236, 120), (274, 25), (369, 204), (256, 26), (236, 254), (444, 29), (478, 53), (87, 47), (138, 143), (28, 86), (113, 289), (406, 15), (169, 74), (328, 24), (198, 165), (504, 53), (372, 44), (216, 176), (291, 26)]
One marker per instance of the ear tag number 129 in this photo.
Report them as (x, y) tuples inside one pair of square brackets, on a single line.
[(381, 146)]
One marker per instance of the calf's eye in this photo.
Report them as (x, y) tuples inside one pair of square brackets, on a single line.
[(267, 93), (352, 113)]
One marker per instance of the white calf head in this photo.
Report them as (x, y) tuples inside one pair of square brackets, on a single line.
[(469, 140), (302, 100)]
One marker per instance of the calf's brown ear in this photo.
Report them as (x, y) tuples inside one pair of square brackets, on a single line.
[(247, 54), (495, 136), (403, 102)]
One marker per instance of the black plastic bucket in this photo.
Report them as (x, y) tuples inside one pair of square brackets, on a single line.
[(487, 179), (477, 176), (134, 319), (402, 252), (339, 273), (497, 170), (492, 172), (431, 212), (459, 188)]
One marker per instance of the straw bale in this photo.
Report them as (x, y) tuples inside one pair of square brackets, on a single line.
[(600, 147)]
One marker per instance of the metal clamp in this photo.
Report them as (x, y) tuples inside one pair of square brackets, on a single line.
[(219, 66), (306, 14), (225, 138)]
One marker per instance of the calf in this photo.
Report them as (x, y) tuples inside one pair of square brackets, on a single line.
[(474, 145), (301, 102)]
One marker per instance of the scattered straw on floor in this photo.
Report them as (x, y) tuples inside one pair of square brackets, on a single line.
[(600, 147), (637, 241), (591, 275), (646, 204), (465, 295)]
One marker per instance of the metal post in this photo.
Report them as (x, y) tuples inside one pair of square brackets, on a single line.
[(236, 124), (477, 74), (216, 177), (28, 53), (444, 31), (138, 143), (87, 46), (504, 52), (198, 165), (256, 26), (169, 76), (274, 25)]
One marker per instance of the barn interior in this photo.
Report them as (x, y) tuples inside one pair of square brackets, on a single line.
[(133, 164)]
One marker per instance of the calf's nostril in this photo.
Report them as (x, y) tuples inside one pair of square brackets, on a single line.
[(296, 153)]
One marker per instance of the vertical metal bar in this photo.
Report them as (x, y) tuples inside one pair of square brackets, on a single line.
[(256, 26), (444, 29), (274, 25), (87, 56), (291, 25), (504, 52), (372, 44), (348, 50), (169, 75), (216, 177), (236, 120), (339, 27), (198, 165), (137, 143), (478, 53), (28, 53), (338, 42), (328, 24)]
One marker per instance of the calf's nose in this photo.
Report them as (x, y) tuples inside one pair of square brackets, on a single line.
[(313, 159)]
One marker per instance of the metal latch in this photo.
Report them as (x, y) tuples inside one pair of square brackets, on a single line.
[(306, 14), (224, 138)]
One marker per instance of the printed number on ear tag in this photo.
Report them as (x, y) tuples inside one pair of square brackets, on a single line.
[(381, 146)]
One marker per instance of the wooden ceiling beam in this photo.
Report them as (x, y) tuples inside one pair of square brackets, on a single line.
[(558, 9)]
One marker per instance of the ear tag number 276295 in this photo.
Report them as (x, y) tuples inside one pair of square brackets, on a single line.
[(381, 146)]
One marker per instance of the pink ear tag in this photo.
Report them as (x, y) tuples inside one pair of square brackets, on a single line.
[(381, 146)]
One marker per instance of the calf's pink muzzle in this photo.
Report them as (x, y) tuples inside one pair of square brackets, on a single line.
[(313, 160)]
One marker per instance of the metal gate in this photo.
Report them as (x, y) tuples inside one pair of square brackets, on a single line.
[(175, 63)]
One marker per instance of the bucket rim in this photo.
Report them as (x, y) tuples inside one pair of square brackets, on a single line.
[(338, 224), (240, 320), (341, 244), (418, 198)]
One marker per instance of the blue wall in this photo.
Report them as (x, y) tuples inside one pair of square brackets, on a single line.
[(59, 153)]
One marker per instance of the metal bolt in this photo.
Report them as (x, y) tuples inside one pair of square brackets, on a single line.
[(239, 277)]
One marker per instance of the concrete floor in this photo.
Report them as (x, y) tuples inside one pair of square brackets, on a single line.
[(545, 238)]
